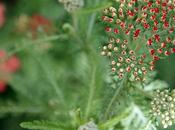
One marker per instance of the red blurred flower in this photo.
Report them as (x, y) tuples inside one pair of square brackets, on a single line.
[(7, 67), (2, 86), (39, 21), (2, 14)]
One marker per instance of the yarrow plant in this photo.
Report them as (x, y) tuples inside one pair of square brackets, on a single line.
[(136, 34), (140, 33)]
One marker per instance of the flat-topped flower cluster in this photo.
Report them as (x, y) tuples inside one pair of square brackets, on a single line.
[(140, 32), (163, 107)]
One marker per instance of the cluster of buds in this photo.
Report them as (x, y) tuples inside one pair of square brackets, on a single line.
[(72, 5), (7, 67), (88, 126), (124, 59), (163, 107), (148, 26)]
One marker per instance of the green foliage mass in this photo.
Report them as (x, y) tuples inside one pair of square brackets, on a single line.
[(63, 82)]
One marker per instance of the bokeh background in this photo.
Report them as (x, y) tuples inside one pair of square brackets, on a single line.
[(49, 47)]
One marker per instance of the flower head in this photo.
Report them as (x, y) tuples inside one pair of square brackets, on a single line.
[(163, 107), (146, 28)]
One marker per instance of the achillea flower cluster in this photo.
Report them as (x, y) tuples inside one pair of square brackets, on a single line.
[(72, 5), (140, 33), (163, 107), (7, 67)]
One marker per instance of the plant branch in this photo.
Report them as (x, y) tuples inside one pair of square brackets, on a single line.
[(122, 85), (26, 43), (91, 93), (112, 122)]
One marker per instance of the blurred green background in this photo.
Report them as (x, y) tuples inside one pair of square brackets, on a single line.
[(63, 51)]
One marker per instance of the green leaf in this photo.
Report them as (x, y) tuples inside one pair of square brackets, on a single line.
[(42, 125), (137, 120)]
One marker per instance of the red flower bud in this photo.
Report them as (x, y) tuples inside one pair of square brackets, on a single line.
[(155, 28), (160, 50), (167, 53), (156, 23), (108, 29), (149, 42), (157, 37), (152, 51), (164, 4), (137, 32), (116, 31), (163, 44), (173, 50), (155, 58), (146, 25), (166, 24)]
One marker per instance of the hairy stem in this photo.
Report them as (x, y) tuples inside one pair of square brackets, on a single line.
[(91, 93), (27, 43), (91, 22), (92, 84), (91, 25), (112, 122), (122, 85)]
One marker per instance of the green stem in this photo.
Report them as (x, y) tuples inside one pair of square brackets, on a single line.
[(92, 84), (91, 93), (112, 122), (91, 25), (122, 85), (91, 22), (28, 43)]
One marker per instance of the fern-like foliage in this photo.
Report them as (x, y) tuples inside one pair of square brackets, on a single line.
[(137, 120), (42, 125)]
